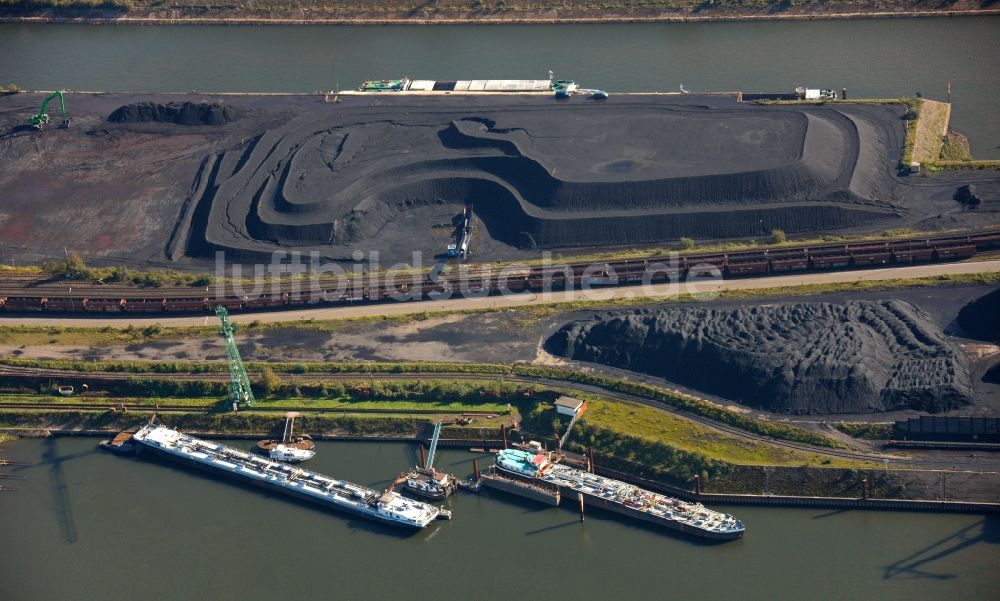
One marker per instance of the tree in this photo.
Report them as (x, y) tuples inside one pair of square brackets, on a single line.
[(687, 243), (778, 236), (269, 381)]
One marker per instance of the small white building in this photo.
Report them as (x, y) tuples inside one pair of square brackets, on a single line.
[(567, 405)]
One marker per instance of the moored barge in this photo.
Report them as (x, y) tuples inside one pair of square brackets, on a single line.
[(386, 507)]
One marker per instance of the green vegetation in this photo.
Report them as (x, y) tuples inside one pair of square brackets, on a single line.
[(912, 116), (6, 438), (652, 425), (73, 267), (962, 165), (866, 431), (246, 422), (682, 402), (400, 390), (956, 148), (687, 243), (778, 237), (11, 89)]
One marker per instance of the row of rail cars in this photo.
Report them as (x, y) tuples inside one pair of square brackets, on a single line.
[(83, 298)]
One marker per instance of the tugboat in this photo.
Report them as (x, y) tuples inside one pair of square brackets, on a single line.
[(289, 441), (289, 454), (425, 481)]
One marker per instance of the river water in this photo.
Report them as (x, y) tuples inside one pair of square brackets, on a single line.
[(872, 58), (89, 525)]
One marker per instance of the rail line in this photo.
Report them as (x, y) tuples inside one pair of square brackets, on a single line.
[(21, 294)]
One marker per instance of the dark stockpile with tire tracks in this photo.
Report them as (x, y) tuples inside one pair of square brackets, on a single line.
[(174, 178), (799, 358)]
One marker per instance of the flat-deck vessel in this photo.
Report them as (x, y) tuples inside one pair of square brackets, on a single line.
[(621, 497), (387, 507)]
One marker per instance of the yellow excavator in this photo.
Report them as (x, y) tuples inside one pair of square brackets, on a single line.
[(40, 120)]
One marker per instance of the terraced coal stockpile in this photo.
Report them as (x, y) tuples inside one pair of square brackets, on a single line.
[(179, 177), (854, 357), (543, 174)]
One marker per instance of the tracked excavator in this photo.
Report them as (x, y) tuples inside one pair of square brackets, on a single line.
[(40, 120)]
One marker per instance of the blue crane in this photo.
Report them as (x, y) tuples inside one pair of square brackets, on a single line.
[(434, 445)]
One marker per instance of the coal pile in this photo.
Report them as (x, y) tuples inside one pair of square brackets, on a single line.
[(182, 113), (801, 358), (543, 175), (980, 319)]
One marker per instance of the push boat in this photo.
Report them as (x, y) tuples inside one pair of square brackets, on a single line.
[(430, 484), (386, 507), (620, 497)]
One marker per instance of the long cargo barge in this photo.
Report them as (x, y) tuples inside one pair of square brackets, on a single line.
[(386, 507), (19, 294), (621, 497)]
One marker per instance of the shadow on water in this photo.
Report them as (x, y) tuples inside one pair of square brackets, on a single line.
[(352, 520), (915, 564), (830, 514), (62, 504), (553, 527)]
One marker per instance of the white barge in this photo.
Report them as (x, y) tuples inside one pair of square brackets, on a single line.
[(387, 507), (620, 497)]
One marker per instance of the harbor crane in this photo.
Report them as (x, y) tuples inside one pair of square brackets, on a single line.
[(239, 382), (434, 445), (424, 480), (42, 118)]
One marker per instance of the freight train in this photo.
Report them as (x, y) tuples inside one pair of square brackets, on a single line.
[(89, 298)]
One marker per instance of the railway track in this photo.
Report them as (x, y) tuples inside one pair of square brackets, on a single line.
[(320, 377), (30, 294)]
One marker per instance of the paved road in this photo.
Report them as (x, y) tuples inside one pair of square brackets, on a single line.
[(706, 286)]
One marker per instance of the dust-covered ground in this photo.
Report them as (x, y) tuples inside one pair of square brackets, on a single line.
[(255, 174), (509, 336)]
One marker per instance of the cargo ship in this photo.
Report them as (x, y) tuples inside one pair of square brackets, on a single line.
[(563, 88), (620, 497), (386, 507)]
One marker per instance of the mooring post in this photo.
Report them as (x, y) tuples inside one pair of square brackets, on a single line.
[(503, 435), (579, 495), (593, 469), (864, 489), (475, 470), (697, 485), (423, 457)]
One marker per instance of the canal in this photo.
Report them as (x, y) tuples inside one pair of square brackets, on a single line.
[(872, 58), (85, 524)]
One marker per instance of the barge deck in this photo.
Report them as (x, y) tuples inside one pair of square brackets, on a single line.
[(386, 507)]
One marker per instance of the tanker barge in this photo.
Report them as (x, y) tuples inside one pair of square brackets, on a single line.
[(620, 497), (386, 507)]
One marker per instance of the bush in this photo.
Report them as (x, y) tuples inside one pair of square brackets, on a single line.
[(778, 237), (687, 243), (72, 267)]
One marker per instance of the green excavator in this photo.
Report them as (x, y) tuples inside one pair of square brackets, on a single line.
[(42, 118)]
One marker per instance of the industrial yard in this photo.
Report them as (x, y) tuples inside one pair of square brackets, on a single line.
[(159, 186)]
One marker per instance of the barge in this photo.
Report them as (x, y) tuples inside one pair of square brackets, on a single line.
[(620, 497), (386, 507)]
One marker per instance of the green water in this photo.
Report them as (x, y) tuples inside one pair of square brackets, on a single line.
[(89, 525), (875, 58)]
